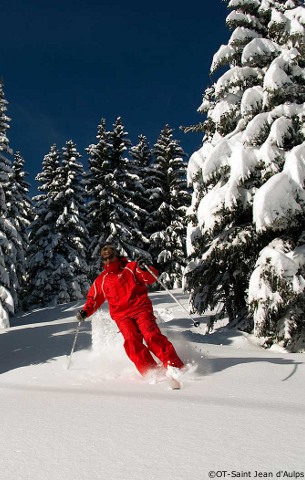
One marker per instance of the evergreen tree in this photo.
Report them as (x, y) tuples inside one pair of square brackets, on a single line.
[(143, 182), (125, 215), (97, 183), (112, 186), (71, 267), (252, 152), (8, 235), (58, 238), (20, 210), (170, 200), (42, 289)]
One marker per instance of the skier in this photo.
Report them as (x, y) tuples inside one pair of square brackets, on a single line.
[(124, 284)]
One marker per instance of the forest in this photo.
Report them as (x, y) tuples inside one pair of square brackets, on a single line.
[(227, 224)]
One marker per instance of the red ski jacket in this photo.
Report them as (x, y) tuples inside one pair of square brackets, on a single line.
[(124, 285)]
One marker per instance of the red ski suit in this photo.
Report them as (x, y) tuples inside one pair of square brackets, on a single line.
[(124, 285)]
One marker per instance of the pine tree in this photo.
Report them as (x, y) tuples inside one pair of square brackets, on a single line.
[(125, 215), (97, 181), (170, 201), (8, 234), (253, 135), (20, 211), (142, 181), (42, 289), (112, 186), (58, 238), (71, 269)]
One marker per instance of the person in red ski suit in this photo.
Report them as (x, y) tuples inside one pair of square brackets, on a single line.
[(124, 284)]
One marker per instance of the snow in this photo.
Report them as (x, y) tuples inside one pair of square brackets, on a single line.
[(226, 107), (225, 53), (296, 13), (238, 3), (280, 130), (233, 77), (216, 158), (210, 205), (276, 78), (277, 17), (295, 165), (258, 47), (283, 194), (255, 128), (196, 160), (274, 201), (241, 35), (252, 100), (284, 265), (240, 17), (242, 411)]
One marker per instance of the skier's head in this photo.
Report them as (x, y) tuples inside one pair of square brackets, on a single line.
[(109, 253)]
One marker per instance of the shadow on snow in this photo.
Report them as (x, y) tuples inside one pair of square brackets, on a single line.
[(33, 345), (41, 344)]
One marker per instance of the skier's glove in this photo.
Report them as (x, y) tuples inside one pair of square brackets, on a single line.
[(142, 261), (81, 315)]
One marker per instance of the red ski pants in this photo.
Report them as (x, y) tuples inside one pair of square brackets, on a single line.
[(141, 327)]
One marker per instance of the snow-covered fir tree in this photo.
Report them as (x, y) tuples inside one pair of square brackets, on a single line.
[(111, 186), (125, 215), (20, 211), (71, 269), (9, 238), (97, 181), (170, 201), (143, 179), (42, 289), (248, 177), (58, 238)]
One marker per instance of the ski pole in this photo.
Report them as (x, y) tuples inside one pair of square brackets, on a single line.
[(195, 322), (74, 343)]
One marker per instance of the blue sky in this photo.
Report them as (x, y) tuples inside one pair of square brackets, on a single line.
[(67, 64)]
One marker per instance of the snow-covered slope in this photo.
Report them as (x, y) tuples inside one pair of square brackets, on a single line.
[(242, 412)]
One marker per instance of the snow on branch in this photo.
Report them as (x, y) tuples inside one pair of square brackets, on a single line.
[(274, 282), (264, 6), (283, 195), (210, 205), (217, 158), (288, 110), (241, 3), (281, 129), (223, 56), (240, 162), (277, 18), (295, 165), (6, 307), (242, 35), (276, 78), (237, 76), (252, 101), (271, 156), (297, 13), (256, 129), (226, 107), (197, 160), (237, 18), (259, 48)]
